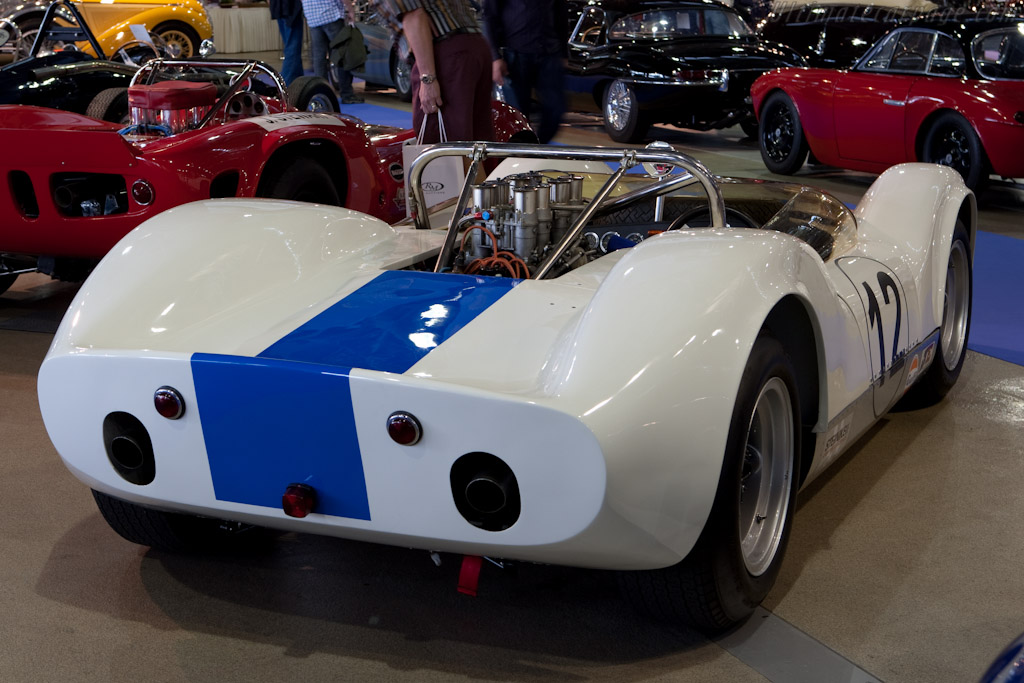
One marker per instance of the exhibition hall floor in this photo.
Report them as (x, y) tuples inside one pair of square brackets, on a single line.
[(903, 565)]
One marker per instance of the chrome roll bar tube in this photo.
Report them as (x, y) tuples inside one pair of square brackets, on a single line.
[(696, 172)]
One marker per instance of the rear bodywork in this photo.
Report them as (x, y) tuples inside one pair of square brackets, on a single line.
[(293, 332)]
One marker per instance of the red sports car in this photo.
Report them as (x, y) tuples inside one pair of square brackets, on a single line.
[(948, 91), (199, 130)]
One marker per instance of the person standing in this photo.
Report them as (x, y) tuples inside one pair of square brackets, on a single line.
[(289, 22), (452, 73), (325, 18), (529, 46)]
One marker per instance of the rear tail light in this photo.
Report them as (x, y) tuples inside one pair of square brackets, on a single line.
[(404, 429), (169, 402), (298, 500), (142, 192)]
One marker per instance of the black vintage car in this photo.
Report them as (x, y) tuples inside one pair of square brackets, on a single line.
[(68, 78), (835, 35), (687, 63)]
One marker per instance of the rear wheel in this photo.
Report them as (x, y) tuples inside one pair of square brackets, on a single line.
[(301, 180), (781, 136), (622, 117), (954, 329), (951, 141), (738, 556), (170, 531), (109, 105), (312, 93), (182, 40)]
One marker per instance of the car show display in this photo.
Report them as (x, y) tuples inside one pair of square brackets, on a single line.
[(947, 91), (474, 381), (689, 64)]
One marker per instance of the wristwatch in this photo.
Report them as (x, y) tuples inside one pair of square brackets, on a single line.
[(427, 78)]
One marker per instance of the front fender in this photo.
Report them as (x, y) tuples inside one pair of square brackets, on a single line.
[(655, 363), (191, 14)]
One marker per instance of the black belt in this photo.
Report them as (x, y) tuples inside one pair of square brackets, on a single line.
[(462, 30)]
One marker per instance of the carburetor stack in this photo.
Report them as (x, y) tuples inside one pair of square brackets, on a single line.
[(526, 213)]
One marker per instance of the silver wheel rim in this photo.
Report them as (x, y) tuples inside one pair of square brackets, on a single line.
[(619, 105), (319, 102), (766, 477), (956, 305), (178, 43), (403, 77)]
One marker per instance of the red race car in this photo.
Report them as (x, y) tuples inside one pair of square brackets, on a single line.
[(199, 130), (947, 91)]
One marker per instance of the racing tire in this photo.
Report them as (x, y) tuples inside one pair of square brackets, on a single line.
[(951, 141), (954, 329), (6, 281), (301, 180), (737, 558), (623, 119), (312, 93), (401, 76), (109, 105), (180, 38), (781, 135), (173, 532)]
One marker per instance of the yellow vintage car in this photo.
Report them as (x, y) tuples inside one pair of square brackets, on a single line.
[(182, 24)]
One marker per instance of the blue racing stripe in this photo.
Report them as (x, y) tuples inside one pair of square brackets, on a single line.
[(268, 424), (391, 322)]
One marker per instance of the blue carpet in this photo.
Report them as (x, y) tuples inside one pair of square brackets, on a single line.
[(997, 324), (375, 113)]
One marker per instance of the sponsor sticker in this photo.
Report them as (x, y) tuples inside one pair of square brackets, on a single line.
[(295, 118), (837, 436), (915, 367), (397, 173)]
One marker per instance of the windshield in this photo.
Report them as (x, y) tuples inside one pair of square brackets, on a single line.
[(678, 23), (1000, 54)]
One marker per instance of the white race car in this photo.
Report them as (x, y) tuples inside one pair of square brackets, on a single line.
[(573, 372)]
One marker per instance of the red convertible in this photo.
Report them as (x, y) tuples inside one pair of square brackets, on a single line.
[(947, 91), (199, 130)]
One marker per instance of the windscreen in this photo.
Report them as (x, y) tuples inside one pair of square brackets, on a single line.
[(678, 23)]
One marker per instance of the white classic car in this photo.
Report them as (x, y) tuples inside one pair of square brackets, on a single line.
[(573, 372)]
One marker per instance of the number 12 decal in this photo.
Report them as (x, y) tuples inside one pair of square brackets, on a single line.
[(885, 283)]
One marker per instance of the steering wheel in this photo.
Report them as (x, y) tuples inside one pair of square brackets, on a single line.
[(701, 218), (138, 52)]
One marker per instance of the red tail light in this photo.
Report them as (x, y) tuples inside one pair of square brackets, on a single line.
[(169, 402), (142, 192), (298, 500), (404, 429)]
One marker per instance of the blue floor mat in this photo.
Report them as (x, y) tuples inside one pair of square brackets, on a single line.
[(375, 113), (997, 323)]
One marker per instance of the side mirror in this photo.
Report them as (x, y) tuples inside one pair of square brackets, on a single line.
[(207, 48)]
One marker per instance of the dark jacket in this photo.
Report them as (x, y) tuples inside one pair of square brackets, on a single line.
[(348, 50), (285, 9), (538, 27)]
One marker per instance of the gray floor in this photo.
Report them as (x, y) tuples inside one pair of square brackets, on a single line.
[(903, 563)]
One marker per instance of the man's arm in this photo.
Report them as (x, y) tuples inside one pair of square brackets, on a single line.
[(416, 26)]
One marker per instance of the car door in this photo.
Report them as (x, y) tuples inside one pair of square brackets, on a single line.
[(870, 101), (588, 52)]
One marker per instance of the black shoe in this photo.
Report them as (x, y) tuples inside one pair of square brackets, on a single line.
[(352, 99)]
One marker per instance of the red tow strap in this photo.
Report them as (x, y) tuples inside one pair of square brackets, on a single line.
[(469, 575)]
